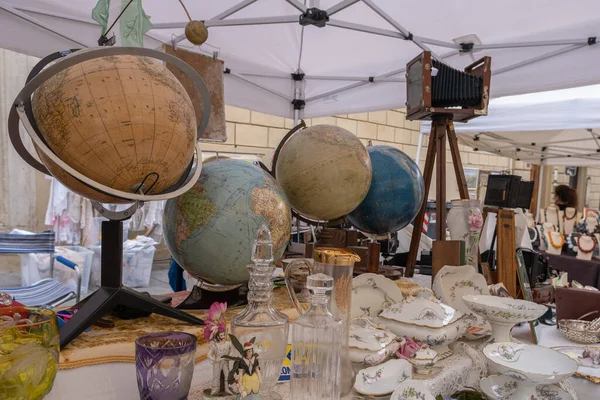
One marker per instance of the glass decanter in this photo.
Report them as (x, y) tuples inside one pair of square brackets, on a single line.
[(317, 346), (260, 327)]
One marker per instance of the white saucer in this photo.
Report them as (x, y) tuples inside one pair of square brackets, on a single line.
[(501, 387), (382, 379), (412, 390)]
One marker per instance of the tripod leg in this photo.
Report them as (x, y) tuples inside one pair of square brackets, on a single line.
[(418, 223), (95, 306), (440, 178), (456, 161), (133, 299)]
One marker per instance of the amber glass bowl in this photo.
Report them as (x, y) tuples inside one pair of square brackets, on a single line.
[(29, 346)]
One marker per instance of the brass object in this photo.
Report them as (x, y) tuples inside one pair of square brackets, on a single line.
[(333, 256)]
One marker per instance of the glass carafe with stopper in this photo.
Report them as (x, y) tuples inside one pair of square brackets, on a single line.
[(339, 264), (261, 330), (317, 346)]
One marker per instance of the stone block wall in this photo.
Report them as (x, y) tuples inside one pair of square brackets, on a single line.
[(257, 133)]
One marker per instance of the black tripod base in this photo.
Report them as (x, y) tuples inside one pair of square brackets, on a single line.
[(203, 298), (106, 299)]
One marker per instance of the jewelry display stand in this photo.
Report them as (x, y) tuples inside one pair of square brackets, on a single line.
[(591, 222), (552, 215), (585, 246), (555, 242), (530, 220), (570, 218)]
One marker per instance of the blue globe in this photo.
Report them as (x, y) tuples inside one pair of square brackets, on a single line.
[(395, 196)]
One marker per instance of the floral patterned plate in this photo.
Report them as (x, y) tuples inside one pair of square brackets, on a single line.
[(371, 293), (501, 387), (451, 283), (382, 379), (412, 390), (587, 369)]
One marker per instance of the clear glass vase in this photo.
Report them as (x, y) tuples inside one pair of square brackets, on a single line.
[(260, 328), (317, 346)]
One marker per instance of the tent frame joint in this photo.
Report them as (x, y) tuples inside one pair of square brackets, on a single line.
[(298, 104), (591, 40), (314, 16)]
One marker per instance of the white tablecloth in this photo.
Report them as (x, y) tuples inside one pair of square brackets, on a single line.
[(117, 381)]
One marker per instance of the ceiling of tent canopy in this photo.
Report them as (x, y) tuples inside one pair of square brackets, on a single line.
[(356, 62)]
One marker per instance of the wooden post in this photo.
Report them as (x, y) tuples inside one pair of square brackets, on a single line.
[(373, 258), (440, 206), (418, 223), (447, 252), (506, 251), (534, 176)]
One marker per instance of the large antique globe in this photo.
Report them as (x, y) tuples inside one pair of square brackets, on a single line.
[(395, 196), (325, 171), (210, 229), (116, 120)]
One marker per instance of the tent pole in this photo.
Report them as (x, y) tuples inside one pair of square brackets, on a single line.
[(234, 9), (535, 59), (266, 89), (284, 19), (364, 28), (299, 95), (358, 84), (340, 6), (296, 4), (399, 27), (37, 23), (542, 43)]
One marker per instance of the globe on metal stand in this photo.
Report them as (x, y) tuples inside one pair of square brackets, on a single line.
[(112, 294)]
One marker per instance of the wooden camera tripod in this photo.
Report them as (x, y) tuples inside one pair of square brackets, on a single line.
[(442, 128)]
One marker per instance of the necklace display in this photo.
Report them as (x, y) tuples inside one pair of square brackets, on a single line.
[(567, 218), (556, 210), (586, 250), (553, 243)]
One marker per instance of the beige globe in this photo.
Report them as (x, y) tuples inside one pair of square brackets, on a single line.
[(116, 120), (325, 171)]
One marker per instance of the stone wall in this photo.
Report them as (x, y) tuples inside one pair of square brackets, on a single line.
[(257, 133)]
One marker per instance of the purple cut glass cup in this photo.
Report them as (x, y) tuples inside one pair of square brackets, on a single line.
[(164, 363)]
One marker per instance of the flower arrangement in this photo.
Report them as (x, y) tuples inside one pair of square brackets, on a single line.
[(215, 322)]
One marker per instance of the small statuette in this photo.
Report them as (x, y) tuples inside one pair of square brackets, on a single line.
[(219, 351), (5, 299)]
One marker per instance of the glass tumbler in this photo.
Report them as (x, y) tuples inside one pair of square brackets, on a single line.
[(29, 347), (164, 364)]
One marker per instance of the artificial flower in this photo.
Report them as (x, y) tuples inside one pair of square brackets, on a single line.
[(216, 311), (407, 349)]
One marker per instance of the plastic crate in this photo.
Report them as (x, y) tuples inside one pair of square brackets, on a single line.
[(35, 267), (137, 266)]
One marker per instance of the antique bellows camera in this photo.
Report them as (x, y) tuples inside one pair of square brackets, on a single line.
[(434, 88)]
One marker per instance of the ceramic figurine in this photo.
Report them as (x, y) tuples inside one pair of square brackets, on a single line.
[(423, 360), (218, 350), (245, 375)]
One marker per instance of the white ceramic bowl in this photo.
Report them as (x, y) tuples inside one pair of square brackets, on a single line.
[(412, 390), (501, 387), (382, 379), (529, 363), (503, 312)]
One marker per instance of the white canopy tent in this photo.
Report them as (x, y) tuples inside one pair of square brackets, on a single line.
[(560, 127), (356, 62)]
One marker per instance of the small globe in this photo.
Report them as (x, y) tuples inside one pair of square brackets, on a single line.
[(210, 229), (116, 119), (395, 196), (325, 171)]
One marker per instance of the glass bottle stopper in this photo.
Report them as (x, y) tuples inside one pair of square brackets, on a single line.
[(319, 283), (262, 249)]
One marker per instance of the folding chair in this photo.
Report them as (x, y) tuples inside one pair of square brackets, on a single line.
[(46, 292)]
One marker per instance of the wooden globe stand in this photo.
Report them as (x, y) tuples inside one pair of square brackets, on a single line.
[(112, 295)]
